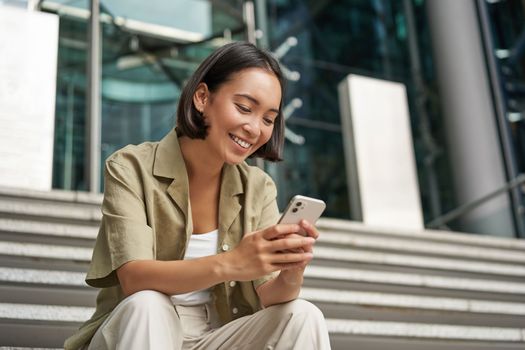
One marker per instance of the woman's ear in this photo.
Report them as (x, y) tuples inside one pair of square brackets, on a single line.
[(201, 97)]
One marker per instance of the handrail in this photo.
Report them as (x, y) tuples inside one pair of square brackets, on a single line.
[(462, 209)]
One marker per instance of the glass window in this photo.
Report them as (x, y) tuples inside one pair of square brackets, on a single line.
[(506, 30), (335, 39), (149, 49)]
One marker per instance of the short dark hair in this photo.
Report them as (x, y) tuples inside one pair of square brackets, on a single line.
[(214, 71)]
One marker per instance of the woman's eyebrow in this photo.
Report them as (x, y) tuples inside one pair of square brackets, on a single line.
[(255, 101)]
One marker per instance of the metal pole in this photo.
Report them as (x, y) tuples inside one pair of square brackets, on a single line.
[(249, 19), (420, 98), (93, 139), (262, 23), (476, 159)]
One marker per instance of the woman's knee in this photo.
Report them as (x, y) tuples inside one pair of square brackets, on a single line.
[(300, 307), (147, 301), (141, 317)]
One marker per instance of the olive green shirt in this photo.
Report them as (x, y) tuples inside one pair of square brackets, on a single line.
[(147, 216)]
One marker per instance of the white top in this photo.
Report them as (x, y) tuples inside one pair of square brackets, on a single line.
[(203, 244)]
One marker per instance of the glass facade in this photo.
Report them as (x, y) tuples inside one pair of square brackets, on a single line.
[(147, 54), (150, 48), (370, 38), (505, 38), (70, 110)]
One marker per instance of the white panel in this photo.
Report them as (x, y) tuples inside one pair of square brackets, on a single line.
[(28, 64), (379, 153)]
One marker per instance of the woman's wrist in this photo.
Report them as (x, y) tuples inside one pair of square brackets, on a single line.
[(223, 268), (292, 277)]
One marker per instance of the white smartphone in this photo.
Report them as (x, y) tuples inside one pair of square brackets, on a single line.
[(302, 207)]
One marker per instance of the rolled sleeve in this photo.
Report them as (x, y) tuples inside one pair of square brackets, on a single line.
[(124, 233), (269, 216)]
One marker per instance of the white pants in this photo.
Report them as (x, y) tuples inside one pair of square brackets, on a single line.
[(148, 320)]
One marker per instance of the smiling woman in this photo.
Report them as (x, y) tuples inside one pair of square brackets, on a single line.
[(189, 252), (243, 111), (237, 68)]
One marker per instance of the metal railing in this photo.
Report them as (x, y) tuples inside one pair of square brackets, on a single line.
[(441, 221)]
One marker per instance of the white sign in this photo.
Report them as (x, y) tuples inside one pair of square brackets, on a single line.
[(28, 65), (380, 162)]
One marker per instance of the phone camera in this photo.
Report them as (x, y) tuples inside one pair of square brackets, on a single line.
[(294, 210), (298, 204)]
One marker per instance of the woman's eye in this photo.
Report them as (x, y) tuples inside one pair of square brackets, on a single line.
[(268, 121), (243, 109)]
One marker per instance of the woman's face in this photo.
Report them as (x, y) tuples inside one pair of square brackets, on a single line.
[(241, 113)]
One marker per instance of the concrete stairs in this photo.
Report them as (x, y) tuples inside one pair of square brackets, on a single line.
[(377, 288)]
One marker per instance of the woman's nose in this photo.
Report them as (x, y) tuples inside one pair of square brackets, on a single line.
[(253, 128)]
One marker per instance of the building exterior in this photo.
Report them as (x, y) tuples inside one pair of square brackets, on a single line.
[(462, 63)]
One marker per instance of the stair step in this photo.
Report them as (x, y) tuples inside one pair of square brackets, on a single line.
[(431, 331), (54, 195), (45, 251), (35, 227), (33, 276), (363, 342), (420, 247), (47, 211), (423, 262), (37, 312), (337, 225), (416, 280), (411, 301), (48, 294), (35, 335)]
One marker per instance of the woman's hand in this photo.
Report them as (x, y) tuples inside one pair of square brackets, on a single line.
[(278, 247), (288, 284), (294, 275)]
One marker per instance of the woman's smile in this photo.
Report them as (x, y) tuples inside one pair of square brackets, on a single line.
[(240, 142)]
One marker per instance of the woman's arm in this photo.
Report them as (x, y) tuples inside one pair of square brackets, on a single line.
[(287, 285), (257, 254)]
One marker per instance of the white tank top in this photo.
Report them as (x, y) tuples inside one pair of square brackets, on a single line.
[(203, 244)]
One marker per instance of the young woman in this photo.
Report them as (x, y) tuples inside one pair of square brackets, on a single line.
[(189, 255)]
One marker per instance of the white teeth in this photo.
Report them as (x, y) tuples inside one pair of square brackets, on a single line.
[(240, 142)]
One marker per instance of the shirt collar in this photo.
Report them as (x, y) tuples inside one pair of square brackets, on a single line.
[(169, 163)]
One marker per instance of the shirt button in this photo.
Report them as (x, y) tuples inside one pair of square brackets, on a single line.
[(235, 311), (225, 247), (232, 283)]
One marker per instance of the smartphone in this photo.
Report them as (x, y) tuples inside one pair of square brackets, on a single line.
[(302, 207)]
